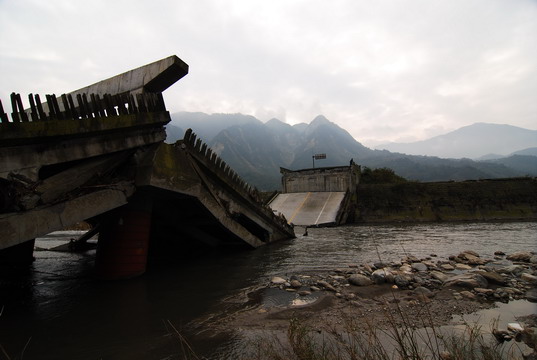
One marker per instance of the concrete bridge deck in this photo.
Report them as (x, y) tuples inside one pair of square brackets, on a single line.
[(103, 160)]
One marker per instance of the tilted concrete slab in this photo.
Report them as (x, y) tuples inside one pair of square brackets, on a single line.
[(191, 169), (309, 208), (154, 77), (16, 228)]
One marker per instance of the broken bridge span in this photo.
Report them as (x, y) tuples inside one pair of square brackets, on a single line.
[(97, 155)]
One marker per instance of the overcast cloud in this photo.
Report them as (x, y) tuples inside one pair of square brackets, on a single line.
[(383, 70)]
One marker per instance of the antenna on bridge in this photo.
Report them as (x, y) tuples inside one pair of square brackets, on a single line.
[(317, 157)]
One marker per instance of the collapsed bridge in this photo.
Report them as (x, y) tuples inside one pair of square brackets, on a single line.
[(97, 155)]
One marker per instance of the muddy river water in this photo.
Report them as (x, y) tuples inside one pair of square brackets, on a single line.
[(56, 309)]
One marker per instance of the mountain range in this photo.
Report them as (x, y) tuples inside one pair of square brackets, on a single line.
[(257, 150), (478, 141)]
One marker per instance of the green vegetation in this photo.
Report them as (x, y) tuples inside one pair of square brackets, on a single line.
[(498, 199), (380, 176)]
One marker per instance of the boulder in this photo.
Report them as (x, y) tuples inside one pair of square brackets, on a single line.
[(531, 295), (359, 280), (470, 258), (532, 279), (438, 275), (278, 280), (379, 276), (520, 256), (533, 259), (469, 252), (468, 294), (462, 267), (468, 280), (511, 269), (447, 267), (380, 265), (406, 268), (418, 266), (326, 285), (295, 284), (420, 290), (493, 277), (402, 280), (411, 259), (484, 291)]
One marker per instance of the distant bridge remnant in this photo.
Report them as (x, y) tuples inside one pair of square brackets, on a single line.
[(320, 196)]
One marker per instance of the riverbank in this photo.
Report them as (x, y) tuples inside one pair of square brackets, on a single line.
[(472, 200), (414, 292)]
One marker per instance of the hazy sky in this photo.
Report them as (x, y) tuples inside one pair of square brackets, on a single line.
[(384, 70)]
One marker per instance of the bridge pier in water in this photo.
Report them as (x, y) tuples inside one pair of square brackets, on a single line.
[(124, 241), (21, 254)]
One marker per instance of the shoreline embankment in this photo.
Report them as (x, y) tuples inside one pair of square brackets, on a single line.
[(451, 201)]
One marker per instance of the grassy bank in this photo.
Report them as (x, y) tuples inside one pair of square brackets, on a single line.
[(478, 200)]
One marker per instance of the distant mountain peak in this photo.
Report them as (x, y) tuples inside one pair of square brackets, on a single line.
[(319, 120), (472, 141)]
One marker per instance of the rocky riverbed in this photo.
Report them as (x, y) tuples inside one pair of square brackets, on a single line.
[(416, 292)]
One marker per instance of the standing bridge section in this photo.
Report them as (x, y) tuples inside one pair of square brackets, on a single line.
[(319, 196), (97, 155)]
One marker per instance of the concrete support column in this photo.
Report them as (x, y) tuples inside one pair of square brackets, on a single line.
[(21, 254), (124, 241)]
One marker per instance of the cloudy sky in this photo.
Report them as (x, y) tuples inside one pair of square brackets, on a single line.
[(385, 70)]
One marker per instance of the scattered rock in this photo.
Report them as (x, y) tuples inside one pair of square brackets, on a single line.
[(468, 280), (418, 266), (531, 295), (380, 265), (499, 253), (304, 293), (411, 259), (402, 280), (438, 275), (484, 291), (423, 291), (470, 258), (460, 266), (520, 256), (405, 268), (515, 327), (468, 295), (379, 276), (326, 285), (295, 284), (447, 267), (359, 280), (532, 279), (469, 252), (533, 259), (493, 277), (278, 280), (511, 269)]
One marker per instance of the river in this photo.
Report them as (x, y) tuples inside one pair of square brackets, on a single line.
[(58, 310)]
